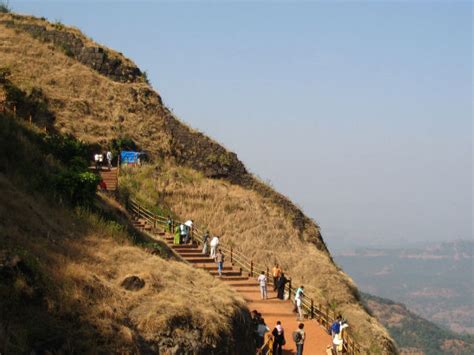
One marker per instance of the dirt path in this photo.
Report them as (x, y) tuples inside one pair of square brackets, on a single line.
[(272, 309)]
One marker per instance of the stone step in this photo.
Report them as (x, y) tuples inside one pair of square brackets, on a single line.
[(190, 254), (225, 273), (195, 260), (247, 284), (182, 246), (233, 278), (188, 251), (214, 267)]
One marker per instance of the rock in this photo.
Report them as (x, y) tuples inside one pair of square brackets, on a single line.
[(133, 283)]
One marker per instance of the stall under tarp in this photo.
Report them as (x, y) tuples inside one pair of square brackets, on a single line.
[(130, 157)]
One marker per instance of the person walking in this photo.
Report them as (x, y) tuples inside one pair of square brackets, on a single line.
[(262, 281), (278, 339), (220, 262), (205, 243), (189, 228), (214, 244), (177, 236), (282, 281), (109, 156), (183, 232), (169, 224), (337, 341), (276, 273), (299, 337), (262, 329), (299, 303), (255, 322)]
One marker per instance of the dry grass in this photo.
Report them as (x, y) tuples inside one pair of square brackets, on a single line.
[(97, 109), (261, 230), (86, 104), (85, 259)]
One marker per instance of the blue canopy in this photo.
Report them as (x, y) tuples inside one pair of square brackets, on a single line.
[(129, 157)]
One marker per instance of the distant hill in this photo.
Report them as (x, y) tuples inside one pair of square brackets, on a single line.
[(414, 334), (434, 280)]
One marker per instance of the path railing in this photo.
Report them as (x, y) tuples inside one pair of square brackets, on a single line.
[(313, 310)]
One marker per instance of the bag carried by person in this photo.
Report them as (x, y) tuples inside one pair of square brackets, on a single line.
[(296, 336)]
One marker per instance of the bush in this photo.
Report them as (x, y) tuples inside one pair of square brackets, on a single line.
[(5, 7), (77, 187)]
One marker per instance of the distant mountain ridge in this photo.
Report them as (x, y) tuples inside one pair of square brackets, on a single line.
[(434, 280), (414, 334)]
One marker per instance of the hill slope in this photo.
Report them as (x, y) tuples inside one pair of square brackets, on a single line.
[(76, 278), (415, 334), (191, 174)]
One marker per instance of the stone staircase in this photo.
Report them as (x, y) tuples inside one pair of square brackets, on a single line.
[(110, 177), (272, 308), (194, 256)]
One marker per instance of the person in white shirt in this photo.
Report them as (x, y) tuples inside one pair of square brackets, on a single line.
[(109, 159), (298, 302), (189, 225), (214, 244), (262, 281), (183, 232)]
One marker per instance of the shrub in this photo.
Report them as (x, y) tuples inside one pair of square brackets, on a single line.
[(5, 7), (77, 187)]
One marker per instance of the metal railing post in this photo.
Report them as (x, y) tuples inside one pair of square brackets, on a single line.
[(232, 255), (251, 268), (312, 308)]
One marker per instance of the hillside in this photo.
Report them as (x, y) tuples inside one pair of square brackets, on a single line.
[(76, 277), (90, 93), (414, 334)]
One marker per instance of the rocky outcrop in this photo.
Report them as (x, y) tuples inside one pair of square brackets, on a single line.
[(133, 283), (95, 57)]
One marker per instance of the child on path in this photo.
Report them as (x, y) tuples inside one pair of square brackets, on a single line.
[(220, 262), (262, 281)]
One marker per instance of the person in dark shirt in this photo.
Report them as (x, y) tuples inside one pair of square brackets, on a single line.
[(278, 339)]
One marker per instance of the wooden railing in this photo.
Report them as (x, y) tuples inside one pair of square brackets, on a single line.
[(317, 311)]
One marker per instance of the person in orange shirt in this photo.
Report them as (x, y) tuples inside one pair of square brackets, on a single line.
[(276, 273)]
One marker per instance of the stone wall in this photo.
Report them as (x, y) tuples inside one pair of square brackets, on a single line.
[(95, 57)]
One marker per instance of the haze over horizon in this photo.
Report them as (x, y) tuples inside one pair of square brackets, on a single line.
[(360, 112)]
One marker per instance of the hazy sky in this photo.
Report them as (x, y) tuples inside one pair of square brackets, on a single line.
[(361, 112)]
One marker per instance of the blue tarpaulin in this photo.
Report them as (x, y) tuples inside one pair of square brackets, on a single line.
[(128, 157)]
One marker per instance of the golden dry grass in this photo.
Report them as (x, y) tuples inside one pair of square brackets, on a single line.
[(86, 104), (85, 260), (97, 109), (259, 229)]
